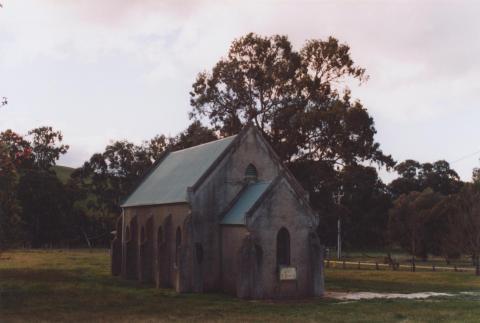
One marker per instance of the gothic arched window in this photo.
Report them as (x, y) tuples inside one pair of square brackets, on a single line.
[(283, 247), (251, 173)]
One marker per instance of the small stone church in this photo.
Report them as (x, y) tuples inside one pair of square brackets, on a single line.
[(225, 216)]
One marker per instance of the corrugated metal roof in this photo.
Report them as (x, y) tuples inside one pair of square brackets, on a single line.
[(169, 181), (248, 197)]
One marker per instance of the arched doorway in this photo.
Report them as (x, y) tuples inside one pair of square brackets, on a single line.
[(283, 247)]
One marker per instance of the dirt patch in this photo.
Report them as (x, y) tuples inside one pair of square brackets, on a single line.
[(368, 295)]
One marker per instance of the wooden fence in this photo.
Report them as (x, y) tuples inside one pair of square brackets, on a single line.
[(343, 264)]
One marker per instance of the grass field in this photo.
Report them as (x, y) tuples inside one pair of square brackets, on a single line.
[(63, 173), (75, 285)]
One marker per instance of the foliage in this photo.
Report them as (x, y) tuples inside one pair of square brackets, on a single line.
[(45, 208), (18, 149), (294, 98), (409, 218), (9, 206), (194, 135), (368, 202), (34, 207), (414, 176), (464, 222), (46, 147), (476, 175)]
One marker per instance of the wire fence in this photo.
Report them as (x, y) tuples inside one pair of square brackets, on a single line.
[(343, 264)]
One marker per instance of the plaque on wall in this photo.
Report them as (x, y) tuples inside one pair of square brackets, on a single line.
[(288, 273)]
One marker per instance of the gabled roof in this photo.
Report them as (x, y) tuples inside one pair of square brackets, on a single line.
[(244, 202), (169, 180)]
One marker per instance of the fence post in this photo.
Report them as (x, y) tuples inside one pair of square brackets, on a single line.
[(328, 263), (359, 265), (477, 266), (376, 265), (433, 267), (455, 268), (344, 264)]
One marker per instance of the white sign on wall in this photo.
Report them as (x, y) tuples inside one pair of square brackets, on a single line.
[(288, 273)]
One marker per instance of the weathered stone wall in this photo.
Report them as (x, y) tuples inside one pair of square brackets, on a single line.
[(151, 259), (283, 208), (232, 237), (216, 193)]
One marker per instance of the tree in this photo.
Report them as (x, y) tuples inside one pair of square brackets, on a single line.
[(31, 194), (408, 219), (294, 98), (440, 229), (9, 206), (18, 149), (440, 177), (44, 208), (464, 223), (111, 175), (194, 135), (368, 202), (15, 157), (414, 176), (47, 146), (476, 175)]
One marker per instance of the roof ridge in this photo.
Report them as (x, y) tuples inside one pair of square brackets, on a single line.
[(212, 166), (204, 144)]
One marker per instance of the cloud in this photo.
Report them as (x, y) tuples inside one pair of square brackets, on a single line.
[(102, 70)]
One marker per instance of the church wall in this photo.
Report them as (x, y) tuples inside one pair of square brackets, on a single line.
[(232, 237), (216, 193), (158, 215), (282, 208)]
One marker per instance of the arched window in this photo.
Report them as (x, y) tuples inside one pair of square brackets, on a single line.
[(251, 173), (283, 247), (178, 242)]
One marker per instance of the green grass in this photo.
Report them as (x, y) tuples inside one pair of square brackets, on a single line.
[(63, 173), (75, 285)]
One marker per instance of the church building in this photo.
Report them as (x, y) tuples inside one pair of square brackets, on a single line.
[(225, 216)]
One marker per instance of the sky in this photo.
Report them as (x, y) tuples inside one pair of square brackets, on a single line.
[(122, 69)]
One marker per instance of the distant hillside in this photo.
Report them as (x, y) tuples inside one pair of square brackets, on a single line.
[(63, 172)]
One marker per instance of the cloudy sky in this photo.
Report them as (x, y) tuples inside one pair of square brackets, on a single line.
[(113, 69)]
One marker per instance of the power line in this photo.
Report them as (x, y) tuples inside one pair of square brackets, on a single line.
[(466, 156)]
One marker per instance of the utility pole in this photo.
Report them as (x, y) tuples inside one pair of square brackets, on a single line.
[(338, 197)]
